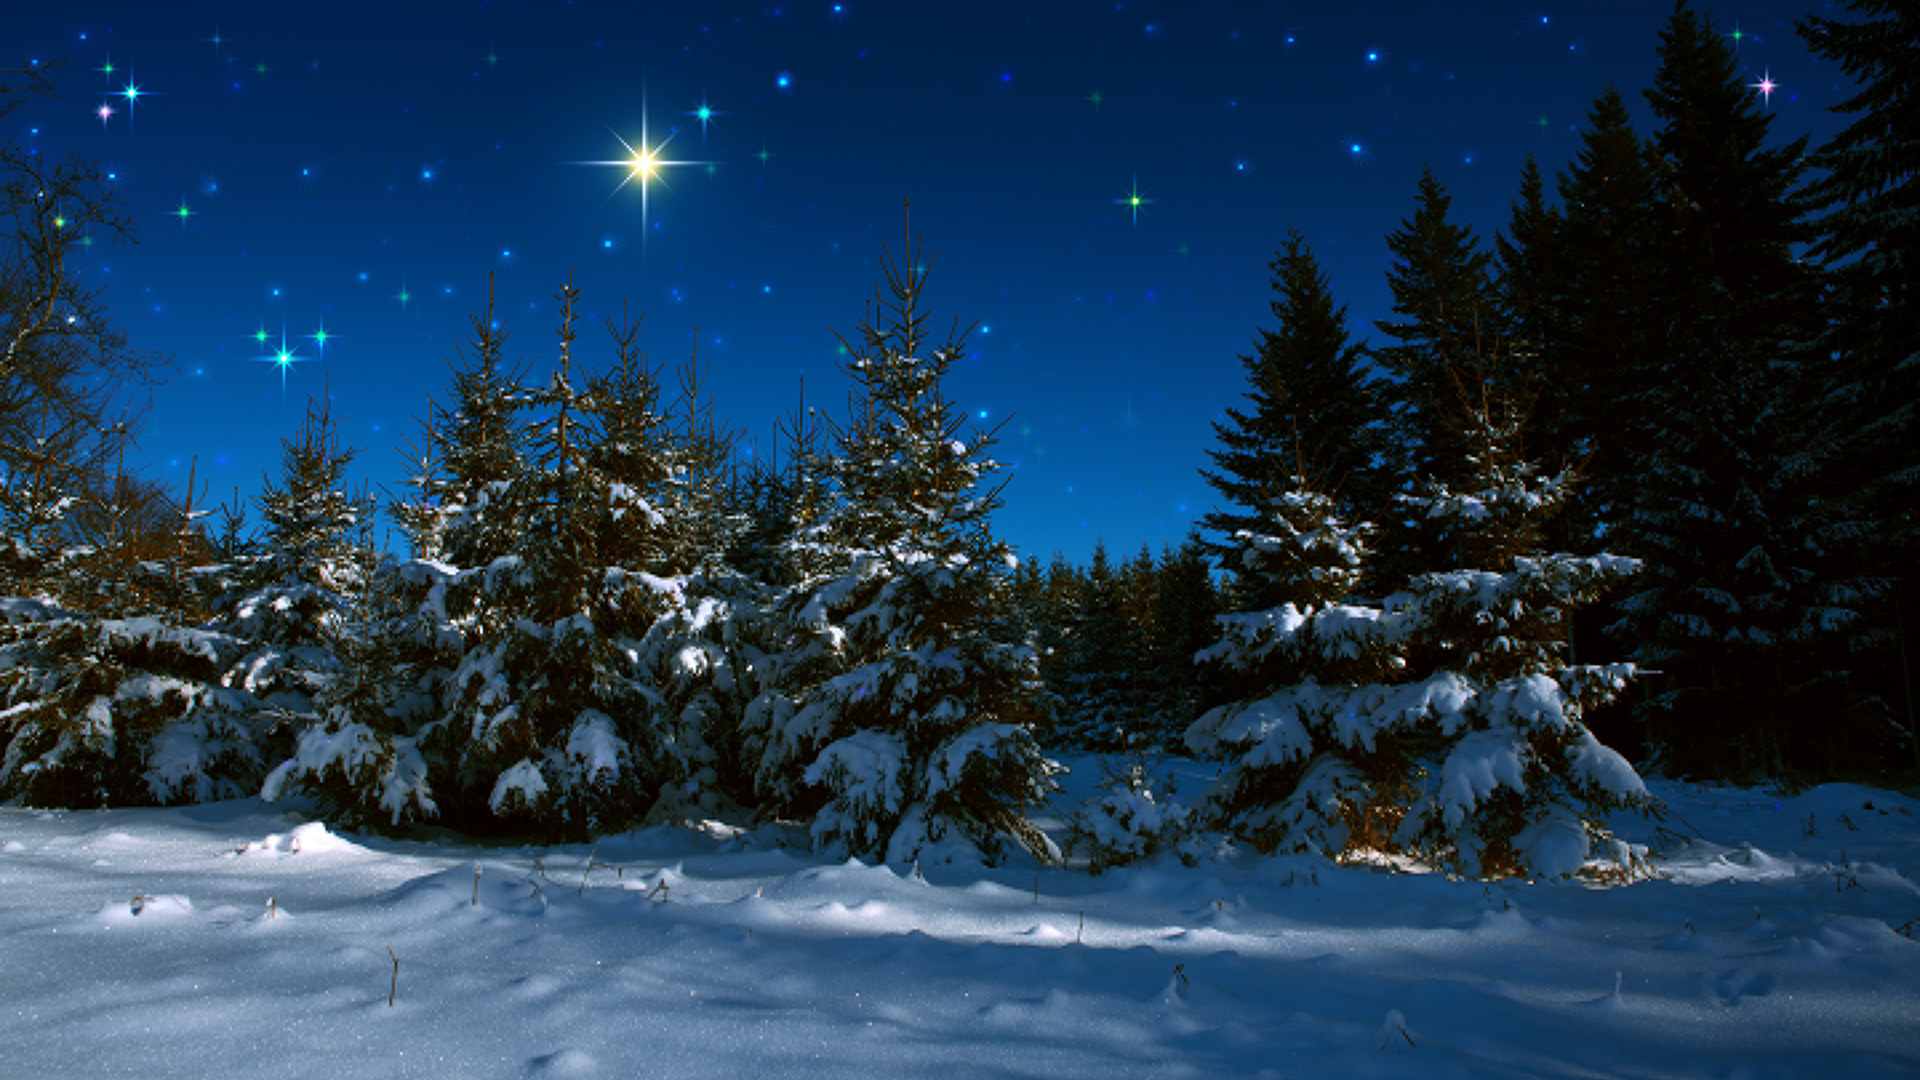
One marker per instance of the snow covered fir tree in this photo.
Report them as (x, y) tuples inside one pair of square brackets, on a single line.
[(1444, 722), (899, 723)]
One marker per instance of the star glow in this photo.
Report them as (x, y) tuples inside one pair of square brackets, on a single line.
[(1134, 201), (644, 163)]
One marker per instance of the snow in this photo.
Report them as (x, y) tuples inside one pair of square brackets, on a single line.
[(224, 940)]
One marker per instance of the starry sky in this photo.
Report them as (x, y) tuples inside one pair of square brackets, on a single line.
[(1103, 186)]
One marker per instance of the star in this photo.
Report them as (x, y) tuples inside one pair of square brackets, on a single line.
[(132, 92), (1096, 97), (183, 212), (216, 40), (282, 358), (492, 58), (320, 338), (104, 112), (643, 163), (1134, 201), (705, 114), (403, 295), (1766, 86), (1737, 36), (107, 68)]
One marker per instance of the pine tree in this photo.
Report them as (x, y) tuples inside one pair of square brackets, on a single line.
[(1186, 605), (1448, 316), (914, 725), (1098, 713), (1445, 723), (1739, 577), (1606, 363), (478, 443), (1446, 312), (553, 724), (1869, 237), (1312, 398), (1526, 275), (98, 710), (360, 755)]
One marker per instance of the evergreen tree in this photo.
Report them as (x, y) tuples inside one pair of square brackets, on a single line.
[(1185, 607), (1313, 399), (1444, 723), (913, 724), (1869, 237), (360, 755), (1446, 313), (551, 722), (98, 710), (478, 444), (1448, 317), (1099, 710), (1740, 572)]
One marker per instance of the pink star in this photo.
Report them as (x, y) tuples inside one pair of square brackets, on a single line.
[(105, 113), (1766, 86)]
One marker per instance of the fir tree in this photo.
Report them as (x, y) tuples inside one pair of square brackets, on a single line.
[(1869, 237), (1740, 575), (1605, 363), (1447, 316), (1099, 712), (478, 443), (97, 710), (913, 724), (360, 755), (1312, 396), (1446, 312), (1443, 724), (552, 722), (1185, 607)]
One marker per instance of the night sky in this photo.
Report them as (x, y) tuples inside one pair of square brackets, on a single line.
[(339, 180)]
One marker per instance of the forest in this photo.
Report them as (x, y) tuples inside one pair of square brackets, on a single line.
[(1632, 481)]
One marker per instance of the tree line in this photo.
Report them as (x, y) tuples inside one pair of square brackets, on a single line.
[(1700, 361)]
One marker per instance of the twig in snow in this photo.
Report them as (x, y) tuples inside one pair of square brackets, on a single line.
[(394, 988)]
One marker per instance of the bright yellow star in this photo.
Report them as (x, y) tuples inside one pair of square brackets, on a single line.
[(644, 162)]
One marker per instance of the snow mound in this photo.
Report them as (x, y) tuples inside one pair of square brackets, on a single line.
[(310, 838)]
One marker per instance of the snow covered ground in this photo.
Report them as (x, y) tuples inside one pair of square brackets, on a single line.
[(237, 941)]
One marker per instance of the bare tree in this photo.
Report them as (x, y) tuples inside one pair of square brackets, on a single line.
[(64, 369)]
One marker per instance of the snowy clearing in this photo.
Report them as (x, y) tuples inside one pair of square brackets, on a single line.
[(235, 941)]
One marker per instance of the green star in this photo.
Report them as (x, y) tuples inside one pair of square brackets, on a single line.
[(1134, 201), (183, 212), (1096, 97)]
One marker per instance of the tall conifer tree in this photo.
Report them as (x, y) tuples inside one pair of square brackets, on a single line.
[(1313, 401)]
